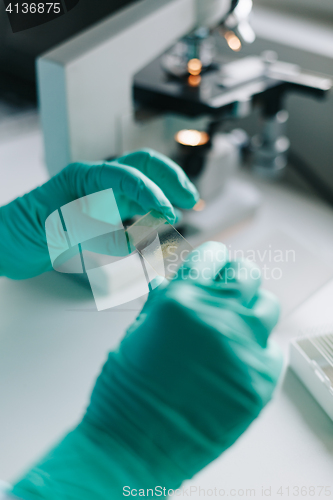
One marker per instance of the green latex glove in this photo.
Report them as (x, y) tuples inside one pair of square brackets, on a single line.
[(141, 181), (192, 373)]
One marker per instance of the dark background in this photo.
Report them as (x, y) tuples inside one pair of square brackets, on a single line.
[(18, 51)]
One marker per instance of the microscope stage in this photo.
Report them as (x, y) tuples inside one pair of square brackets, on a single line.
[(219, 96)]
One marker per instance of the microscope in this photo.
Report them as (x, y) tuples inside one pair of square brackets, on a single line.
[(150, 76)]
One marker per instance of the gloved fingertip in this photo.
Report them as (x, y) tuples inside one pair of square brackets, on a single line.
[(179, 216), (193, 190), (188, 197), (170, 215), (157, 282)]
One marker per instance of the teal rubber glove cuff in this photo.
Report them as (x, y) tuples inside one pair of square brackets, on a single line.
[(192, 373), (141, 182)]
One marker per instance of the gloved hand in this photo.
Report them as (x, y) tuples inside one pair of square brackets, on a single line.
[(141, 181), (192, 373)]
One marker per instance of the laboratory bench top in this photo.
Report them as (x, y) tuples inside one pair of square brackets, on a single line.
[(53, 342)]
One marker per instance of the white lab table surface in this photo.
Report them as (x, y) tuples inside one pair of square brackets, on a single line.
[(53, 343)]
